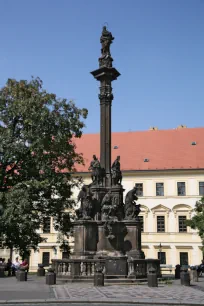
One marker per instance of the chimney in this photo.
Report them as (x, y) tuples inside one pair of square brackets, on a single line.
[(153, 128), (181, 126)]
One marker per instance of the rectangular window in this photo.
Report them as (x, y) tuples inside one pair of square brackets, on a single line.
[(46, 258), (182, 224), (181, 188), (142, 223), (183, 258), (201, 188), (162, 257), (46, 225), (160, 189), (139, 189), (160, 224)]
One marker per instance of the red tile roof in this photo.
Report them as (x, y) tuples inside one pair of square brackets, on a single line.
[(165, 149)]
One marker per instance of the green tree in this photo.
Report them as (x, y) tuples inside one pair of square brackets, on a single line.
[(197, 221), (37, 159)]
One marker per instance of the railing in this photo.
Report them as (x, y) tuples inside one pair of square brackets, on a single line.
[(137, 268), (86, 268), (76, 268)]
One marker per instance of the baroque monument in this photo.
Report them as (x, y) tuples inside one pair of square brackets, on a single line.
[(107, 227)]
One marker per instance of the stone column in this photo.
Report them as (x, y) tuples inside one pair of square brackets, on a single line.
[(105, 75)]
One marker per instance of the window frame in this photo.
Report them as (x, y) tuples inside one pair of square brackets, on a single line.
[(45, 262), (163, 258), (183, 264), (142, 223), (183, 225), (159, 195), (142, 193), (161, 231), (200, 194), (181, 195)]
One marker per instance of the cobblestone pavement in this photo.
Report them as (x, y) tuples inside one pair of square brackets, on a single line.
[(130, 293), (36, 291)]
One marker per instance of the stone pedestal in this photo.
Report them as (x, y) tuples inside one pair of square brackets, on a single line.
[(111, 246), (153, 264), (50, 278), (185, 278), (93, 239), (41, 271), (193, 275), (98, 279), (152, 278), (22, 276), (133, 240), (85, 238)]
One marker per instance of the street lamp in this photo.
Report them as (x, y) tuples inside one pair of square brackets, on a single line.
[(160, 252)]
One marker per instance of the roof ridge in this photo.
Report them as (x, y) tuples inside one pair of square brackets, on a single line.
[(142, 131)]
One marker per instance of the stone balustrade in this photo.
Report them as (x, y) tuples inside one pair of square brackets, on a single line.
[(76, 268), (85, 268)]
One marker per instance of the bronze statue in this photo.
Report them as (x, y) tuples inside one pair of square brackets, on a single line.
[(106, 40), (131, 209), (97, 172), (116, 173)]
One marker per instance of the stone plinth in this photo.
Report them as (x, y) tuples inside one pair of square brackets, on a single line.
[(85, 238), (132, 243), (153, 264), (92, 238), (109, 246)]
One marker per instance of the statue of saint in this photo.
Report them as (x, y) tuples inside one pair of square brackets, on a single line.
[(106, 206), (131, 209), (116, 173), (86, 209), (95, 167), (106, 40)]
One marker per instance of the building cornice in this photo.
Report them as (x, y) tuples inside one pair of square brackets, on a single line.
[(150, 171)]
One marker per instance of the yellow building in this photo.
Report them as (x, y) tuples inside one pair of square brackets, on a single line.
[(167, 167)]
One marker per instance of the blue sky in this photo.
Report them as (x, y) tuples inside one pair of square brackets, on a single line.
[(158, 49)]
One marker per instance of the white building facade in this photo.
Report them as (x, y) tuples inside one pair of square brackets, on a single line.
[(168, 170)]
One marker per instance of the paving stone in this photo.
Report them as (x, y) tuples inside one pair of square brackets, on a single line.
[(35, 289)]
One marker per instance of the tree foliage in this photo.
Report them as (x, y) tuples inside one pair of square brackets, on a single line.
[(38, 157), (197, 221)]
